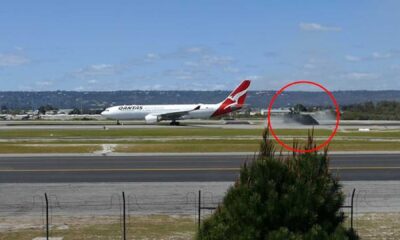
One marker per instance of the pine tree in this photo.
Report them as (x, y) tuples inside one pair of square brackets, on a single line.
[(281, 197)]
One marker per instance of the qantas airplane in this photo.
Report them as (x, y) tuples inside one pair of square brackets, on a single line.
[(156, 113)]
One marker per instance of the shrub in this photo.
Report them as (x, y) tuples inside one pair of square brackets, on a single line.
[(281, 197)]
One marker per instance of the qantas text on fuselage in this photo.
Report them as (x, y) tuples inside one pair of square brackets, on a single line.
[(174, 112)]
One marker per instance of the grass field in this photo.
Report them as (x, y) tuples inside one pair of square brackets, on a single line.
[(48, 148), (182, 140), (168, 132), (249, 147), (140, 227), (372, 226)]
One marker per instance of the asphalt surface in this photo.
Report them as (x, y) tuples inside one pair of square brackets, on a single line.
[(169, 168)]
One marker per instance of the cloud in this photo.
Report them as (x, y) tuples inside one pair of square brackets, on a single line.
[(154, 87), (181, 74), (380, 55), (44, 83), (213, 60), (12, 60), (92, 81), (352, 58), (191, 64), (360, 76), (374, 56), (183, 66), (315, 27), (151, 57), (194, 50), (253, 77), (97, 70), (188, 52)]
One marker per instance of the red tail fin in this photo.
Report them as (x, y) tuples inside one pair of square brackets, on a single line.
[(235, 100)]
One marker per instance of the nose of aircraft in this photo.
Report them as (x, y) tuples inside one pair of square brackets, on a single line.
[(105, 113)]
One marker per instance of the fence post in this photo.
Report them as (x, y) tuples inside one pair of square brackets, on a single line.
[(47, 216), (352, 206), (199, 211), (123, 215)]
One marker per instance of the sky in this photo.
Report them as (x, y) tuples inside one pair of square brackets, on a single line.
[(198, 45)]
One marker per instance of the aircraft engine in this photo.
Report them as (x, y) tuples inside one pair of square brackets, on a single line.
[(151, 119)]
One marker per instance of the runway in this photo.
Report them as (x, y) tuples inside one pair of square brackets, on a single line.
[(170, 168)]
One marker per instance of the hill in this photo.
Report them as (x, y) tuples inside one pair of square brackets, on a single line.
[(256, 99)]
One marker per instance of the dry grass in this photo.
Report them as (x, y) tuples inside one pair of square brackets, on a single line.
[(168, 132), (182, 146), (378, 226), (371, 226), (188, 147), (139, 227), (48, 148)]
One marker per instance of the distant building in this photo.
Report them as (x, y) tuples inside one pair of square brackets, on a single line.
[(31, 112), (64, 111), (277, 111)]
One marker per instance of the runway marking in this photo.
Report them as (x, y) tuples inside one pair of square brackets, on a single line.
[(171, 169)]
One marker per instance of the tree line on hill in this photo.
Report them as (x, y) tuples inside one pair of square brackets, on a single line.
[(385, 110), (255, 99), (95, 102)]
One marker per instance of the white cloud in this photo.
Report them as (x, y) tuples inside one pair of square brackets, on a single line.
[(318, 27), (18, 48), (12, 60), (210, 60), (44, 83), (191, 64), (373, 56), (180, 74), (379, 55), (352, 58), (360, 76), (97, 70), (253, 77), (188, 52), (101, 67), (151, 57), (195, 50), (185, 65)]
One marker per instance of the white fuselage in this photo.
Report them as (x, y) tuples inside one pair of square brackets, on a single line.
[(140, 112), (173, 112)]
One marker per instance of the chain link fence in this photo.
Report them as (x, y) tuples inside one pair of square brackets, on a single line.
[(148, 209)]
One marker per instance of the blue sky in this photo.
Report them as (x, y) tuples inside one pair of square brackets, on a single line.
[(198, 45)]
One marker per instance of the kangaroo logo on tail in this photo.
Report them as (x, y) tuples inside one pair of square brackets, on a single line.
[(234, 101)]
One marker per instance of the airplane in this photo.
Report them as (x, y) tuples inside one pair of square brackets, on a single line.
[(155, 113), (18, 117)]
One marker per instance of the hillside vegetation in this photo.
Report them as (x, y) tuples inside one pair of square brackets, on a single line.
[(385, 110)]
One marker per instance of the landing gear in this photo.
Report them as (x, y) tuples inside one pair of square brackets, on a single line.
[(174, 123)]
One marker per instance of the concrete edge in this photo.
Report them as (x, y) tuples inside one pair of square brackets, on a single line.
[(177, 154)]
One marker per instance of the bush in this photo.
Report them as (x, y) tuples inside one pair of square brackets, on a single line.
[(281, 197)]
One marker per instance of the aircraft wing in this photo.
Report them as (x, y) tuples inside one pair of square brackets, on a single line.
[(176, 115)]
